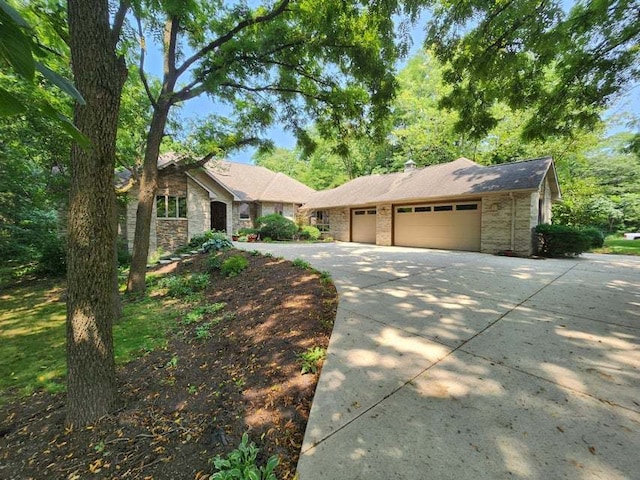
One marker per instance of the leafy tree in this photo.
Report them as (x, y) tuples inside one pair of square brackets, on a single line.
[(21, 56), (330, 61), (564, 65)]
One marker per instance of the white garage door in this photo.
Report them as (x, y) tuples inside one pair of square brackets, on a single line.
[(363, 225), (451, 226)]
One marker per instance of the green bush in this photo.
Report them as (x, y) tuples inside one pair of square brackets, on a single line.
[(197, 240), (277, 227), (218, 241), (300, 263), (182, 286), (309, 232), (559, 240), (53, 256), (124, 256), (595, 236), (233, 266), (214, 262), (240, 464)]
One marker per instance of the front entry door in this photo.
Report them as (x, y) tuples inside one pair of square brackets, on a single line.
[(219, 216)]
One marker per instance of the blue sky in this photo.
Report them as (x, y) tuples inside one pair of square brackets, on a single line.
[(199, 107)]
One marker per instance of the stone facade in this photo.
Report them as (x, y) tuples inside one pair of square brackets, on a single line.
[(339, 223), (171, 233), (384, 224), (497, 229), (200, 191)]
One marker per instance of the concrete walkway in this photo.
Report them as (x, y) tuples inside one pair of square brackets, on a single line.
[(455, 365)]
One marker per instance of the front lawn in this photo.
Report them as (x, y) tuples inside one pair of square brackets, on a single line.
[(32, 335), (620, 246)]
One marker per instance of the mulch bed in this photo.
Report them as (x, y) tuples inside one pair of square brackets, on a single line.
[(183, 405)]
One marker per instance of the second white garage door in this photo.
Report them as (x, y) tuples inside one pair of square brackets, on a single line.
[(450, 226), (363, 225)]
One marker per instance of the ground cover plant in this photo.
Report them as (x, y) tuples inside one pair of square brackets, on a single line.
[(215, 364)]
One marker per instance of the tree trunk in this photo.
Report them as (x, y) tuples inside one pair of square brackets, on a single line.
[(146, 199), (99, 75)]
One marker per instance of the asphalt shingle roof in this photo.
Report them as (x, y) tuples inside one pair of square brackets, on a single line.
[(254, 183), (458, 178)]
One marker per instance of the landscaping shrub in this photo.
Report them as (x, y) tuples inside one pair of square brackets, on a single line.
[(197, 240), (309, 232), (234, 265), (182, 286), (559, 240), (53, 256), (595, 236), (218, 241), (214, 262), (243, 232), (277, 227), (124, 257)]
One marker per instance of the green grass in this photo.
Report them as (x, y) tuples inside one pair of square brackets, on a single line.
[(620, 246), (32, 336)]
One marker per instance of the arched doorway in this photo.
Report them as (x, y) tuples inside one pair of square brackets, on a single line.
[(219, 216)]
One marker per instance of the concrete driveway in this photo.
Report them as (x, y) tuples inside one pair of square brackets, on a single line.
[(456, 365)]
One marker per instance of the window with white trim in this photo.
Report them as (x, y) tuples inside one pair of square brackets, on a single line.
[(170, 206)]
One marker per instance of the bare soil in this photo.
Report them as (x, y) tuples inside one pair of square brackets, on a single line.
[(183, 405)]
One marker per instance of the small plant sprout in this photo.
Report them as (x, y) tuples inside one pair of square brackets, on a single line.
[(192, 389), (255, 253), (325, 277), (241, 464), (234, 265), (203, 331), (173, 363), (310, 359), (300, 263)]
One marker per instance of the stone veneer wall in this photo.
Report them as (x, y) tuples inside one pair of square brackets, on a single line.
[(238, 222), (172, 232), (496, 222), (384, 224), (339, 223), (198, 209), (131, 210)]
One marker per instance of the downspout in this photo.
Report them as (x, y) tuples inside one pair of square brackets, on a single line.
[(513, 221)]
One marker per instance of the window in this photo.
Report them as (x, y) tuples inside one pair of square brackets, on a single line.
[(467, 206), (443, 208), (422, 209), (371, 212), (404, 210), (359, 212), (277, 208), (322, 220), (244, 211), (168, 206)]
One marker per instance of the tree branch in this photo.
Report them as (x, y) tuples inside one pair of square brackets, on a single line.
[(202, 161), (171, 28), (143, 77), (118, 21), (231, 33)]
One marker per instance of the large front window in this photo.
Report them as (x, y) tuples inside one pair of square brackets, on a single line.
[(244, 211), (169, 206)]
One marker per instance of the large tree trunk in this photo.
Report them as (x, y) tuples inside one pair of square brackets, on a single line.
[(146, 199), (99, 75)]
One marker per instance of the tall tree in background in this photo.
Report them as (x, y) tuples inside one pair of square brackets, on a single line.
[(286, 61), (91, 300), (563, 65)]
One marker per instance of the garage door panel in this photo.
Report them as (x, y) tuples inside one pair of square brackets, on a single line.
[(363, 226), (452, 229)]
